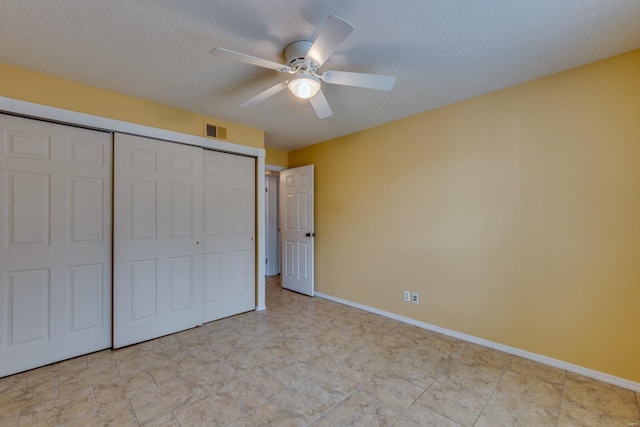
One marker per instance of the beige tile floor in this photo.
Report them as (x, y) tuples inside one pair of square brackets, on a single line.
[(309, 361)]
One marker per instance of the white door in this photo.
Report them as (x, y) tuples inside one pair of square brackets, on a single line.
[(157, 230), (55, 250), (229, 235), (296, 211), (272, 224)]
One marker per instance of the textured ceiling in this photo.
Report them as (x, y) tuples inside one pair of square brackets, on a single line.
[(441, 51)]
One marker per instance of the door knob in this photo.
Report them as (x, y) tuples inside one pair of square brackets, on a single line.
[(310, 234)]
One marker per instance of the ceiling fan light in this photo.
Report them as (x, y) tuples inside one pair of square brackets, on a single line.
[(304, 87)]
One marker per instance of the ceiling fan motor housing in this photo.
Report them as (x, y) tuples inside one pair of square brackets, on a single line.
[(295, 53)]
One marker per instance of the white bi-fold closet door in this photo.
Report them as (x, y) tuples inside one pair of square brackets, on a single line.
[(184, 237), (228, 235), (55, 242)]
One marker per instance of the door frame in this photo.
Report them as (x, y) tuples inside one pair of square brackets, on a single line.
[(274, 168), (59, 115)]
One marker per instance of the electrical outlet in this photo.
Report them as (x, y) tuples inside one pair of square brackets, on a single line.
[(415, 298), (407, 296)]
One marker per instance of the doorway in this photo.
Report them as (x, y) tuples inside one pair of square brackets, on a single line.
[(272, 221)]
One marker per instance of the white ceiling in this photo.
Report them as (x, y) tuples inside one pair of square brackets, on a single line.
[(441, 51)]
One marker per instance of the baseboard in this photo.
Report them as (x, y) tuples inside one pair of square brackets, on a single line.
[(601, 376)]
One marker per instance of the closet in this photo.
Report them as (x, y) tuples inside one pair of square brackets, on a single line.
[(229, 238), (55, 252), (184, 237)]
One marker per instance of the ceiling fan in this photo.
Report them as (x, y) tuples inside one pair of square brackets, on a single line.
[(303, 60)]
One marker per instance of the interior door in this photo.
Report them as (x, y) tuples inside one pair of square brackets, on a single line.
[(55, 242), (296, 207), (229, 235), (157, 231)]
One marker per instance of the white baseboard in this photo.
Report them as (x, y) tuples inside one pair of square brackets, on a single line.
[(601, 376)]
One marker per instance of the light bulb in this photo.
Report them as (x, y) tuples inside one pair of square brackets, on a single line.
[(304, 87)]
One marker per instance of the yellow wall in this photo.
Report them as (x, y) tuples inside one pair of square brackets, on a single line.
[(515, 215), (43, 89), (276, 157)]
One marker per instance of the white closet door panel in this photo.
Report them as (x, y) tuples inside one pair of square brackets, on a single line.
[(28, 295), (157, 251), (229, 235), (55, 242), (85, 295)]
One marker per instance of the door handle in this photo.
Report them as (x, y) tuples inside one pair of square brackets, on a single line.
[(310, 234)]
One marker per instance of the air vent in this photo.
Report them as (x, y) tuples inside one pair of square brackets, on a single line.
[(213, 131)]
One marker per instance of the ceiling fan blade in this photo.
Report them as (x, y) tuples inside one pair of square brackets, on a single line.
[(332, 34), (248, 59), (369, 81), (321, 106), (264, 94)]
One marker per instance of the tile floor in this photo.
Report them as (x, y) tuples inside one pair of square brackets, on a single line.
[(309, 361)]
